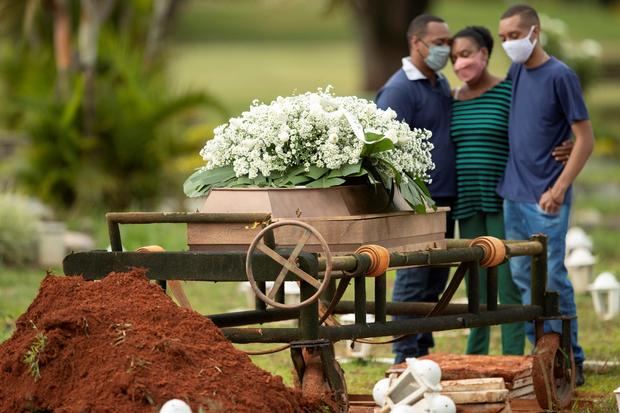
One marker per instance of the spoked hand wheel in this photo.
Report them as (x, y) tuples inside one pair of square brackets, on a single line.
[(553, 373), (289, 264)]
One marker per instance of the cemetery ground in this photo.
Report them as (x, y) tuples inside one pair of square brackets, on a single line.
[(321, 51)]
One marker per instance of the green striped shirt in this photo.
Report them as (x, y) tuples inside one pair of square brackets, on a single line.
[(479, 131)]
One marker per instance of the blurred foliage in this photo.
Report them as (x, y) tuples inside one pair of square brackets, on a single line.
[(129, 154), (18, 231), (584, 56)]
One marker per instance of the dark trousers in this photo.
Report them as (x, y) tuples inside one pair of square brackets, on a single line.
[(513, 335), (422, 284)]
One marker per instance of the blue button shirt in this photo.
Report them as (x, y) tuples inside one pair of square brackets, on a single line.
[(422, 105), (546, 101)]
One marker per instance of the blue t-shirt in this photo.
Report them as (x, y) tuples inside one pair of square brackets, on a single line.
[(422, 105), (546, 101)]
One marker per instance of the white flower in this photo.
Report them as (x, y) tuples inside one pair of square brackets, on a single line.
[(283, 135), (355, 126), (318, 129), (391, 135)]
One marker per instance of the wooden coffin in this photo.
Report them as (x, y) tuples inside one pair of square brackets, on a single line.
[(346, 216)]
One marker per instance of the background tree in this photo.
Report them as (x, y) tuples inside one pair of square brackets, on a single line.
[(104, 128), (382, 26)]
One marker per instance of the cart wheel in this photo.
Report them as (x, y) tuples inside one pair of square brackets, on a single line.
[(289, 264), (553, 373)]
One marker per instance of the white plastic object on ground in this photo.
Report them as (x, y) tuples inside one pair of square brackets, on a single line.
[(438, 403), (379, 391), (175, 406), (402, 408), (426, 372)]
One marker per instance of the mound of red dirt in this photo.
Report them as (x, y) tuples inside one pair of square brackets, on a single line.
[(121, 345)]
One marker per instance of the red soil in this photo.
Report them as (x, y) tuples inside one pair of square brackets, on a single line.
[(121, 345)]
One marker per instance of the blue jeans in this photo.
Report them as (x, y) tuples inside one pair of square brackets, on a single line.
[(522, 220), (422, 284)]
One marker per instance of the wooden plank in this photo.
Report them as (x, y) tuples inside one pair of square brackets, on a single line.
[(521, 391), (224, 201), (236, 234), (483, 408), (479, 396), (409, 233), (518, 383), (494, 383)]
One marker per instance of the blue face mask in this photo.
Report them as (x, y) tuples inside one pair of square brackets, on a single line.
[(437, 57)]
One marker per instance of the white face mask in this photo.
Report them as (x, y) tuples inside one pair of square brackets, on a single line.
[(521, 49)]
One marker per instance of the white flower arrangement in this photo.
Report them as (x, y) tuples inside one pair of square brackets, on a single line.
[(317, 140)]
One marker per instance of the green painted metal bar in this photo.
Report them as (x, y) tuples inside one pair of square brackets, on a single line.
[(411, 308), (380, 298), (516, 245), (473, 288), (523, 248), (360, 300), (390, 328), (184, 265), (308, 315), (492, 288), (244, 318), (184, 217), (539, 272), (258, 303), (114, 233)]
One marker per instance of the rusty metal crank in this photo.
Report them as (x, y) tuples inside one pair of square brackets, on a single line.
[(289, 264)]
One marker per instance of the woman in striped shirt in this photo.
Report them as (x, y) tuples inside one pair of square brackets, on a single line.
[(479, 131)]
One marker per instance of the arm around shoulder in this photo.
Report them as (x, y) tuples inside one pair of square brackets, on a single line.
[(584, 145)]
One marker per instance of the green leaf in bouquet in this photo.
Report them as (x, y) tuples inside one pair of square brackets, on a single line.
[(373, 137), (241, 181), (380, 146), (412, 196), (325, 182), (297, 170), (420, 183), (423, 191), (215, 175), (203, 179), (387, 164), (346, 170), (298, 180), (377, 176), (315, 172), (428, 200), (294, 176), (273, 178), (260, 181)]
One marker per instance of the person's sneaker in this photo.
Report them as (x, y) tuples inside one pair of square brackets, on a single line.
[(580, 380)]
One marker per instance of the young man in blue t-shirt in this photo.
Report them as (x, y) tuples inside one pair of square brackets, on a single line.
[(547, 107), (420, 96)]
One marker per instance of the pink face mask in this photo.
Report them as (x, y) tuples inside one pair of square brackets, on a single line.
[(469, 69)]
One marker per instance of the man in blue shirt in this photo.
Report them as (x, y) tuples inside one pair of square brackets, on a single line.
[(547, 107), (420, 96)]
